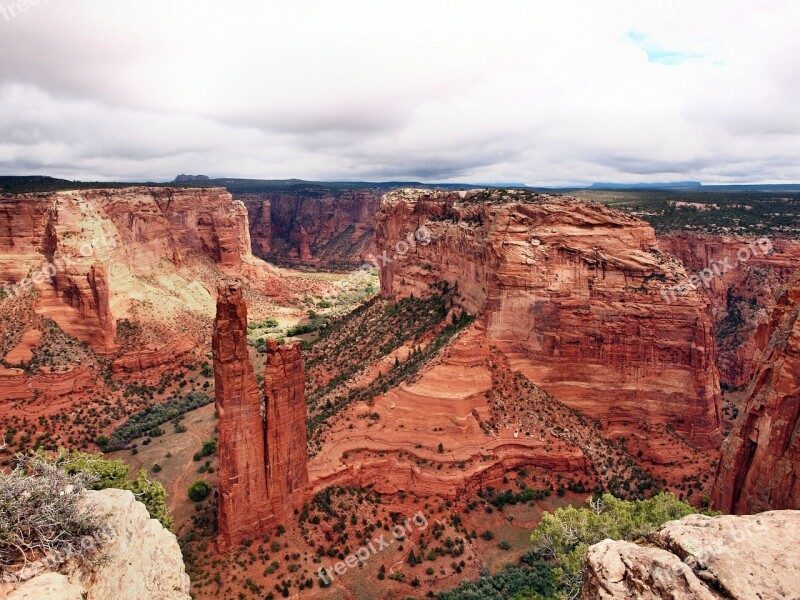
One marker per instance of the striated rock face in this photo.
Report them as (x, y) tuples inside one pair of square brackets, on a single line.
[(14, 385), (334, 228), (262, 464), (701, 558), (748, 275), (243, 506), (141, 559), (569, 291), (83, 250), (61, 381), (152, 357), (284, 390), (760, 464)]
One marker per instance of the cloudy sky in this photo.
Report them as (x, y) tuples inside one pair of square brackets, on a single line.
[(539, 92)]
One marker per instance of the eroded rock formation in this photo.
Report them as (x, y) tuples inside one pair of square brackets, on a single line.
[(701, 558), (569, 291), (91, 254), (141, 559), (285, 422), (748, 274), (153, 356), (262, 463), (760, 464), (243, 507)]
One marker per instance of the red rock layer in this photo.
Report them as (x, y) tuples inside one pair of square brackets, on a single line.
[(13, 385), (262, 459), (243, 506), (148, 358), (84, 248), (569, 291), (339, 225), (749, 287), (284, 390), (53, 383), (760, 464)]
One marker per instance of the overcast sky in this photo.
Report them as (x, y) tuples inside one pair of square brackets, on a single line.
[(546, 93)]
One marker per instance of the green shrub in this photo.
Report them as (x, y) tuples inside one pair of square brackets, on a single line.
[(199, 491)]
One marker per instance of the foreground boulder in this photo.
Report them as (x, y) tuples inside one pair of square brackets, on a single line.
[(139, 559), (702, 558)]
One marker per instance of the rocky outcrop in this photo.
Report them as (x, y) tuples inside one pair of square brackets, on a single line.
[(330, 228), (91, 253), (139, 559), (747, 275), (701, 558), (569, 291), (285, 422), (52, 382), (153, 356), (262, 464), (244, 510), (14, 385), (760, 464)]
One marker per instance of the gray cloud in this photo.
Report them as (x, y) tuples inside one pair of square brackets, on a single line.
[(546, 92)]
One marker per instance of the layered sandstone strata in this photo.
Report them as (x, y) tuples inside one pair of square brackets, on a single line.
[(569, 291), (285, 424), (701, 558), (747, 274), (14, 385), (91, 254), (262, 462), (52, 382), (317, 225), (760, 464), (153, 356), (243, 505)]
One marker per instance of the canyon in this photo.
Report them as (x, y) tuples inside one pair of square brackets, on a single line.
[(558, 283), (517, 338), (325, 228)]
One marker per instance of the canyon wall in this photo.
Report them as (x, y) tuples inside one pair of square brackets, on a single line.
[(91, 253), (747, 275), (569, 292), (325, 228), (262, 458), (760, 464)]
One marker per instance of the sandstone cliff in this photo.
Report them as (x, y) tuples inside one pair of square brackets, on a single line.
[(569, 291), (702, 558), (92, 254), (760, 464), (262, 455), (330, 228), (139, 559), (748, 275)]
